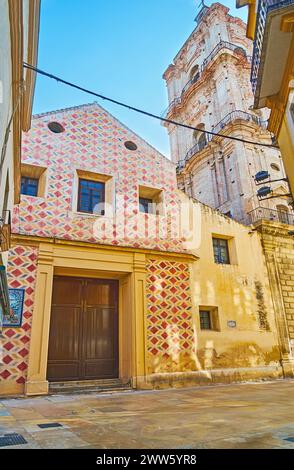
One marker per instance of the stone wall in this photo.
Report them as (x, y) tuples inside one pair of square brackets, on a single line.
[(278, 246)]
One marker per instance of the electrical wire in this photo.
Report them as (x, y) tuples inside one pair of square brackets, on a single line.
[(141, 111)]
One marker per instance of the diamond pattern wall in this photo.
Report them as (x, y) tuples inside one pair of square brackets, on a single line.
[(21, 272), (94, 141), (170, 336)]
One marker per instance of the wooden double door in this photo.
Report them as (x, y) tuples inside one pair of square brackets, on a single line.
[(83, 339)]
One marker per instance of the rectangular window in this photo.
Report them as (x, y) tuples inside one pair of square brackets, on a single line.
[(205, 320), (33, 180), (29, 186), (145, 205), (91, 197), (221, 251), (151, 200), (209, 318)]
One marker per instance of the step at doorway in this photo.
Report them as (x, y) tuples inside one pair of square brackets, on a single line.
[(80, 386)]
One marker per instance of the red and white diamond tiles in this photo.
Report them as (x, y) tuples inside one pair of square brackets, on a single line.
[(170, 336), (94, 141), (15, 341)]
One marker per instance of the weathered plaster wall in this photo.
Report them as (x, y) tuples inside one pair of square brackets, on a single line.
[(240, 291)]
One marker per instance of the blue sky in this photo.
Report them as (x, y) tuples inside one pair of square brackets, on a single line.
[(119, 48)]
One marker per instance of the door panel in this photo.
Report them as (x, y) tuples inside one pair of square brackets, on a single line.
[(100, 292), (83, 340), (100, 353), (67, 291)]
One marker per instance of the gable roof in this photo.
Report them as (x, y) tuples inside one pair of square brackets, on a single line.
[(95, 104)]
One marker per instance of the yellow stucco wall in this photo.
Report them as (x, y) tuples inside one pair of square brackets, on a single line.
[(240, 291)]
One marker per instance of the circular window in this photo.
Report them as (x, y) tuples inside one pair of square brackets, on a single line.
[(55, 127), (130, 145), (275, 167)]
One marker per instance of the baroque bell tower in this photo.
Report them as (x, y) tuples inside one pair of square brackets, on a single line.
[(209, 87)]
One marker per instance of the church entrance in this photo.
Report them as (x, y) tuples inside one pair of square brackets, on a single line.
[(83, 339)]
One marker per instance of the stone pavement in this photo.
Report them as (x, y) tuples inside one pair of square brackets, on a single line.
[(252, 415)]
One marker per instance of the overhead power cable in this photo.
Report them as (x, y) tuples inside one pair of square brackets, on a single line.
[(141, 111)]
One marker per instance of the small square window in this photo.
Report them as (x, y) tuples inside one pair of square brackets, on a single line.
[(33, 180), (205, 320), (209, 319), (146, 205), (221, 251), (29, 186), (151, 200), (91, 196)]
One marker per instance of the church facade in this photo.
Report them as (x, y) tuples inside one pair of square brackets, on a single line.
[(117, 276), (130, 270)]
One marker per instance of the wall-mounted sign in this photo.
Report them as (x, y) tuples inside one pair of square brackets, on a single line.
[(232, 324), (13, 319)]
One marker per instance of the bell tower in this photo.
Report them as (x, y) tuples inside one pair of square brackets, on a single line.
[(209, 88)]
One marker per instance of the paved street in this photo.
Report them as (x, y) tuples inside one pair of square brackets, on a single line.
[(259, 415)]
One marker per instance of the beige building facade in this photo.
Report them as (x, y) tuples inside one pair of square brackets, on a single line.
[(244, 337)]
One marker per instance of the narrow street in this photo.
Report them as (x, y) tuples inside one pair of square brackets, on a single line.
[(255, 415)]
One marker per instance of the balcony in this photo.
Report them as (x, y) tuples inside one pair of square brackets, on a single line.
[(191, 82), (221, 45), (234, 116), (270, 49), (172, 105), (225, 45), (5, 230), (239, 115), (195, 149), (263, 213)]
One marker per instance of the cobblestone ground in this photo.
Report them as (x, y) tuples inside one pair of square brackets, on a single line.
[(255, 415)]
